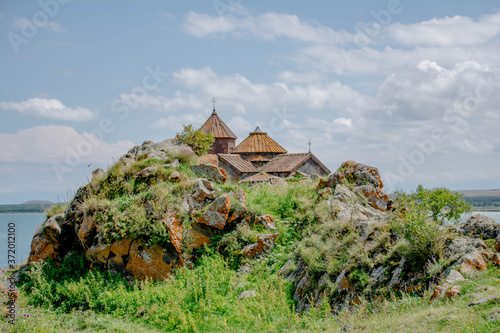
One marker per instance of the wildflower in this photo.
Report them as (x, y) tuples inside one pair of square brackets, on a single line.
[(26, 314)]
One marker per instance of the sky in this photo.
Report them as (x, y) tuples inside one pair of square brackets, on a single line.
[(409, 87)]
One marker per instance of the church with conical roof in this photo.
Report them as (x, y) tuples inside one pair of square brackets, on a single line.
[(224, 137), (258, 157)]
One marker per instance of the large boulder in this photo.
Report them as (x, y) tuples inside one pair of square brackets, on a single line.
[(87, 230), (464, 245), (479, 226), (264, 244), (208, 159), (53, 240), (217, 213), (152, 262), (364, 179), (150, 150), (472, 262), (210, 171), (201, 194)]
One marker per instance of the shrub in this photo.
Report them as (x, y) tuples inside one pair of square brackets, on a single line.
[(425, 236), (199, 142), (56, 209), (184, 155), (442, 204)]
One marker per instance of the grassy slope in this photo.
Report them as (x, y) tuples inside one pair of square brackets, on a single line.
[(205, 298), (268, 313)]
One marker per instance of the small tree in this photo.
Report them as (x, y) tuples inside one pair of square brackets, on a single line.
[(199, 142), (442, 204)]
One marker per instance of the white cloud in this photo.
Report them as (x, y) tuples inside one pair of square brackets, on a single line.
[(305, 77), (50, 108), (178, 103), (444, 40), (343, 121), (268, 26), (447, 31), (24, 23), (237, 93), (235, 88), (61, 144)]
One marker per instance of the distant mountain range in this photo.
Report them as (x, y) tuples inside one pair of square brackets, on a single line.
[(38, 202), (31, 206)]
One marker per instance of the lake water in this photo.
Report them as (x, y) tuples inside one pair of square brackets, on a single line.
[(494, 215), (27, 224)]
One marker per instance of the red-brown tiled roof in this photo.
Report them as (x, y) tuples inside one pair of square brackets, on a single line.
[(237, 162), (290, 162), (218, 128), (259, 142)]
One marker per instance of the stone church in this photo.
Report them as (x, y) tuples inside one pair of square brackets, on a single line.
[(258, 157)]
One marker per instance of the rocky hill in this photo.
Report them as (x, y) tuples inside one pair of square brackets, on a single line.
[(338, 240)]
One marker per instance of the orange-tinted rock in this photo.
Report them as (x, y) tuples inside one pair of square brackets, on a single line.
[(174, 225), (46, 243), (217, 213), (267, 221), (223, 172), (439, 291), (147, 262), (121, 247), (87, 230), (472, 262), (208, 159), (42, 248), (453, 292), (98, 254), (263, 245), (209, 171)]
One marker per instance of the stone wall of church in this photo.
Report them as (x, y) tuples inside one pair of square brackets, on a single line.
[(223, 146), (311, 168)]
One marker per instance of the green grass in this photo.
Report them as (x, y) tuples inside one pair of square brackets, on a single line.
[(67, 296), (205, 299)]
